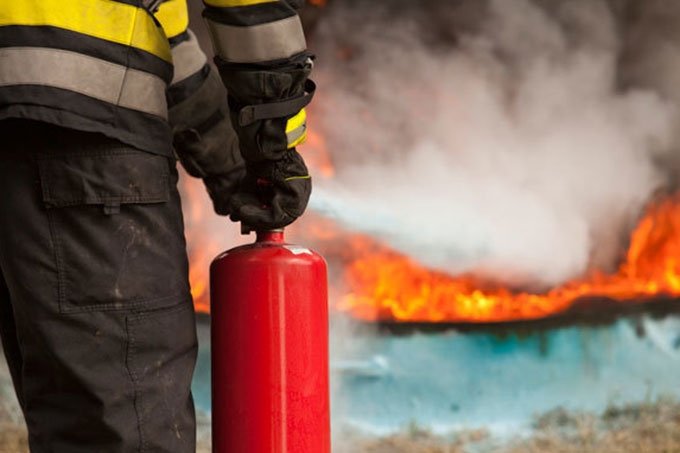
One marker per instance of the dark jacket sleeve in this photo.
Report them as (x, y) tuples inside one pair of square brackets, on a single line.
[(195, 96), (262, 57), (255, 31)]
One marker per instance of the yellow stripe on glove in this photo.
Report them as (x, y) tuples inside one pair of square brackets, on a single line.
[(296, 129)]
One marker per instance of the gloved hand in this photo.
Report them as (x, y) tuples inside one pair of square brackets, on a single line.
[(267, 111), (205, 142), (214, 157), (273, 194)]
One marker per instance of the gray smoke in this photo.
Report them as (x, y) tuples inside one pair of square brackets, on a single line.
[(500, 138)]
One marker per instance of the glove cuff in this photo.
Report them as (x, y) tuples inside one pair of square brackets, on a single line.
[(267, 105), (271, 110)]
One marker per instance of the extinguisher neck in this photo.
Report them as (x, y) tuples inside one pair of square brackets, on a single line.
[(270, 236)]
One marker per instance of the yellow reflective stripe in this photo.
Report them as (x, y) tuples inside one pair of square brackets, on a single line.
[(83, 74), (296, 129), (295, 178), (104, 19), (300, 140), (298, 120), (235, 3), (174, 17)]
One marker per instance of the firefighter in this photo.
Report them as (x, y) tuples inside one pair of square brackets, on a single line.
[(96, 316)]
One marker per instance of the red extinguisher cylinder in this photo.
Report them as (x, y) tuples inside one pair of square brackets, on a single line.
[(269, 347)]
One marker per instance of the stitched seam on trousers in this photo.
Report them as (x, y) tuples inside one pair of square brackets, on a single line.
[(161, 312), (143, 302), (56, 245), (135, 384), (132, 323)]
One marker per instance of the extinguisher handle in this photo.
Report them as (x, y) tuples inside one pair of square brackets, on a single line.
[(246, 229)]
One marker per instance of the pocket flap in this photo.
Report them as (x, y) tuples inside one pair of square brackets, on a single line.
[(107, 178)]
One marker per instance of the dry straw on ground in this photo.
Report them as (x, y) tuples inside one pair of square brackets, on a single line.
[(652, 427)]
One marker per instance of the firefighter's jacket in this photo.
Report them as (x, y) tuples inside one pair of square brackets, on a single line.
[(112, 66)]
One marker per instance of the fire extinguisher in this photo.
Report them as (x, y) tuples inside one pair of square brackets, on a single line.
[(269, 334)]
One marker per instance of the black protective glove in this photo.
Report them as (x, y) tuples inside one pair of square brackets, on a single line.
[(205, 142), (277, 186), (273, 194), (212, 157)]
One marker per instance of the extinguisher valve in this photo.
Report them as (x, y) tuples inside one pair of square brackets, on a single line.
[(247, 229), (275, 235)]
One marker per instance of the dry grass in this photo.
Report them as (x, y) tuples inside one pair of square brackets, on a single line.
[(412, 440), (640, 428), (12, 438)]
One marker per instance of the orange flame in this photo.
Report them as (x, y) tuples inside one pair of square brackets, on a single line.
[(387, 286), (201, 247)]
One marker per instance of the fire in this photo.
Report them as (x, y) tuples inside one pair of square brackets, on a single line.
[(201, 247), (387, 286), (383, 285), (317, 155)]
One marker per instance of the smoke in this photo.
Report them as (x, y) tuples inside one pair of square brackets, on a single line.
[(488, 137)]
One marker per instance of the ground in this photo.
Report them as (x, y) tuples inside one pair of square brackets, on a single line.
[(643, 428), (647, 427)]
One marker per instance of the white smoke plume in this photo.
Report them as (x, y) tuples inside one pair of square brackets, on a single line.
[(488, 137)]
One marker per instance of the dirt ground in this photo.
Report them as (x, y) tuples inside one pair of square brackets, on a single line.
[(651, 427), (647, 427)]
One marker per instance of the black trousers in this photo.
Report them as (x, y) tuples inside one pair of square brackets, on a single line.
[(96, 316)]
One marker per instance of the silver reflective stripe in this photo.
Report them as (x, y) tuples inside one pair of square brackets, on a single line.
[(273, 41), (152, 5), (99, 79), (295, 134), (188, 59)]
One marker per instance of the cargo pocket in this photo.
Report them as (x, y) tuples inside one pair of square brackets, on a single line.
[(116, 227)]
